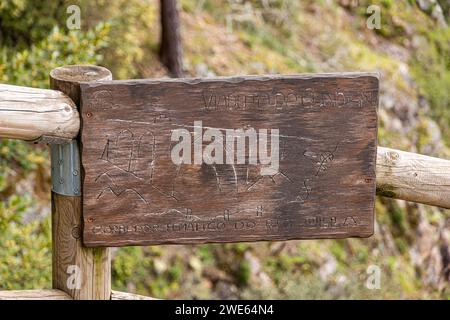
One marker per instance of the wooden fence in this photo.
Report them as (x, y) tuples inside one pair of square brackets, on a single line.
[(51, 116)]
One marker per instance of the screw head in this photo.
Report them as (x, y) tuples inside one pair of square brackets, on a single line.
[(76, 232)]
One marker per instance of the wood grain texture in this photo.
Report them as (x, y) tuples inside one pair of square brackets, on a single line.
[(117, 295), (42, 294), (134, 194), (67, 79), (413, 177), (93, 265), (31, 114), (55, 294), (83, 273)]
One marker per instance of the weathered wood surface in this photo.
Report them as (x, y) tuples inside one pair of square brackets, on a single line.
[(324, 187), (117, 295), (31, 114), (55, 294), (413, 177), (39, 294), (83, 273)]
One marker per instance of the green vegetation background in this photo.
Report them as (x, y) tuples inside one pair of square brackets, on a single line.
[(411, 52)]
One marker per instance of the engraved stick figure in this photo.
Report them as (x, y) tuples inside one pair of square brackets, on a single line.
[(226, 215), (259, 211)]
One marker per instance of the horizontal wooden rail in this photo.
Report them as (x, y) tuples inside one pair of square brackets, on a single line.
[(117, 295), (31, 114), (46, 294), (55, 294), (413, 177)]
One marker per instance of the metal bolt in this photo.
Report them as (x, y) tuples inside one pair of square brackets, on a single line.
[(75, 172), (61, 180), (76, 232)]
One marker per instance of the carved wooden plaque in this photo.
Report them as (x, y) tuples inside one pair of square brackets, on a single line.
[(228, 159)]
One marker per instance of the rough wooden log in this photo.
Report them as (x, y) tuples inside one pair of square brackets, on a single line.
[(117, 295), (83, 273), (46, 294), (31, 114), (413, 177), (55, 294)]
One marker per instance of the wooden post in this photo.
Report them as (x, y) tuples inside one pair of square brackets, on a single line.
[(83, 273), (170, 51)]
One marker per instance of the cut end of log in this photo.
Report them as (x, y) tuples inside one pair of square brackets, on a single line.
[(68, 78), (81, 73)]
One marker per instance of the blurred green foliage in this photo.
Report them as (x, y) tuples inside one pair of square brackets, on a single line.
[(30, 66), (228, 37), (25, 251), (432, 73), (23, 22)]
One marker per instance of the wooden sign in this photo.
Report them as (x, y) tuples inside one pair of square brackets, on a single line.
[(228, 159)]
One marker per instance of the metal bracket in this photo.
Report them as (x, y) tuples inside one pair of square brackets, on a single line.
[(52, 140), (66, 175)]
